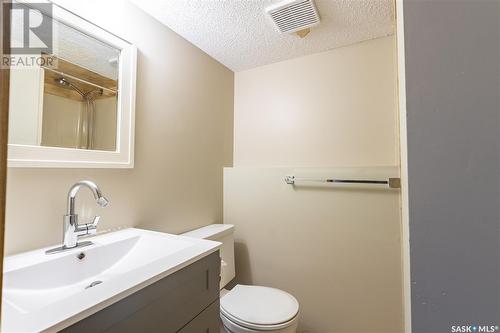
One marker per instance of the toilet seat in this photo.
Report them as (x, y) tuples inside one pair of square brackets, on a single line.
[(259, 308), (233, 327)]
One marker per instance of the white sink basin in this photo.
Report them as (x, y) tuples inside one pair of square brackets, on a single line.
[(49, 292)]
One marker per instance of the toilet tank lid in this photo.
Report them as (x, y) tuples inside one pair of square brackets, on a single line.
[(211, 231)]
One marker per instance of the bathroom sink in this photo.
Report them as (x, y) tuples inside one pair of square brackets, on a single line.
[(49, 292)]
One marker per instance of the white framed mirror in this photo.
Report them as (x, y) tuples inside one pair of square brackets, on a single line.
[(74, 108)]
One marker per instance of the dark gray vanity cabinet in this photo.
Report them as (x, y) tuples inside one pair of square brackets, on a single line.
[(186, 301)]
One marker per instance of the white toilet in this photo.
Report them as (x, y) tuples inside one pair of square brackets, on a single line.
[(245, 309)]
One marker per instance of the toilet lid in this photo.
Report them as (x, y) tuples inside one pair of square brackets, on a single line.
[(261, 306)]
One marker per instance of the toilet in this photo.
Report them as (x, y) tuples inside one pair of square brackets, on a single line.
[(244, 308)]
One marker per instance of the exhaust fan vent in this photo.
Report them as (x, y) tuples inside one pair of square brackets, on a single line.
[(294, 15)]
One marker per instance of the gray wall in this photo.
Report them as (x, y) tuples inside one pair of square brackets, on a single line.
[(452, 83)]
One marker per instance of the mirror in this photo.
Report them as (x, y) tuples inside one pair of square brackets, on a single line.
[(74, 106)]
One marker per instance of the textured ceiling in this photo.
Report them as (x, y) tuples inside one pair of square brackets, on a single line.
[(239, 34)]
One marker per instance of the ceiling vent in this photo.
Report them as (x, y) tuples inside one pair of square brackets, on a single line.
[(294, 15)]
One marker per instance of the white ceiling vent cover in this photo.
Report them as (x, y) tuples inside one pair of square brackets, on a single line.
[(294, 15)]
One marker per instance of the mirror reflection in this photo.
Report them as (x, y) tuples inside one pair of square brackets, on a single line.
[(72, 103)]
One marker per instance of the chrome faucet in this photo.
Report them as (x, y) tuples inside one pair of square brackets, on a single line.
[(71, 229)]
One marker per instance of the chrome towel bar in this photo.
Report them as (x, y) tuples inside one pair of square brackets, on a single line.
[(389, 182)]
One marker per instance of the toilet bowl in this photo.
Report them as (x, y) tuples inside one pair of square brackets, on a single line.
[(258, 309), (244, 308)]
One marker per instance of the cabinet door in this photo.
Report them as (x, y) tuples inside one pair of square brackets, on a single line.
[(206, 322)]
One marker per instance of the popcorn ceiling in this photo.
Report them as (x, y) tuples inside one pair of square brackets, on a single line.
[(240, 35)]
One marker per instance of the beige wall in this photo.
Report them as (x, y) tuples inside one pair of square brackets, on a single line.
[(332, 108), (337, 250), (183, 140)]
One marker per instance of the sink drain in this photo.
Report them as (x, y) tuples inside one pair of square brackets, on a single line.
[(93, 284)]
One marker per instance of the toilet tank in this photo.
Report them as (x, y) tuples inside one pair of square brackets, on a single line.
[(223, 233)]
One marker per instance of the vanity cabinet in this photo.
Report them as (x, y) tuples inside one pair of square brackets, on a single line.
[(186, 301)]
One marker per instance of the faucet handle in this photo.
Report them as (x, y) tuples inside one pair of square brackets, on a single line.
[(92, 227), (94, 223), (88, 228)]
